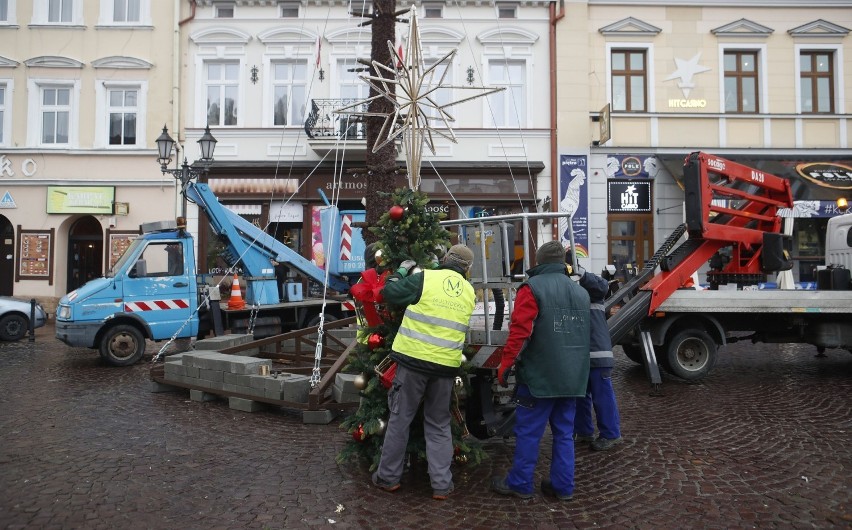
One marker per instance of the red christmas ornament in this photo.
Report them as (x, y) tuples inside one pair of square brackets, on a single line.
[(358, 434), (375, 340), (396, 212)]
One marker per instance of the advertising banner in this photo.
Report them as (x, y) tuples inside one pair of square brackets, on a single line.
[(574, 199)]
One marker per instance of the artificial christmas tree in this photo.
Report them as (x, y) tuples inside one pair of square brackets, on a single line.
[(416, 236)]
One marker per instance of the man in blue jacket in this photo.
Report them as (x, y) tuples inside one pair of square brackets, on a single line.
[(549, 338), (599, 393)]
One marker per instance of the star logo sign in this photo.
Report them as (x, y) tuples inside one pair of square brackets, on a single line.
[(686, 70)]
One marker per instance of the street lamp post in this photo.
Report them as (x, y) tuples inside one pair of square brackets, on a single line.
[(185, 173)]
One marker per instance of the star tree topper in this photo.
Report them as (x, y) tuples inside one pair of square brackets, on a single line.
[(411, 90)]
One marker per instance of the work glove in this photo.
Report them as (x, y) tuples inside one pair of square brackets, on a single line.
[(405, 267), (507, 366)]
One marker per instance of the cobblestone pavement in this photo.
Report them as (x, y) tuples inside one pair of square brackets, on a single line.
[(764, 442)]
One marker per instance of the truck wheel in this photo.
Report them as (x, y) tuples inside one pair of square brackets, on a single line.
[(13, 327), (691, 354), (316, 320), (122, 345)]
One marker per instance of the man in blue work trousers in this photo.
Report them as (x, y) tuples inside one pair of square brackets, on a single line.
[(600, 395), (549, 345)]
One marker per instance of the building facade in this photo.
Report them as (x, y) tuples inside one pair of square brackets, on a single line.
[(764, 83), (268, 76), (84, 89)]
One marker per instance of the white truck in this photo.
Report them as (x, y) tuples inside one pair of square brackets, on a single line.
[(731, 221), (659, 315)]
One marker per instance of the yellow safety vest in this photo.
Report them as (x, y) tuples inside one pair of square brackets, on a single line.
[(434, 329)]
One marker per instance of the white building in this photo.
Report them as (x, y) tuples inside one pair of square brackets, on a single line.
[(266, 75)]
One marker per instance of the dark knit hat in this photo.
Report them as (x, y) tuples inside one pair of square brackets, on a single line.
[(460, 256), (550, 252)]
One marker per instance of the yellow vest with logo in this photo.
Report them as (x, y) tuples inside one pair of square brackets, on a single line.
[(434, 329)]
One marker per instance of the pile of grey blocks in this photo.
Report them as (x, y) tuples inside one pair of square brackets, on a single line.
[(344, 390), (222, 374)]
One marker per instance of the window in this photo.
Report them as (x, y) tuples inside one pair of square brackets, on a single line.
[(357, 7), (741, 81), (4, 10), (222, 91), (60, 11), (352, 89), (55, 115), (629, 78), (508, 107), (433, 10), (223, 10), (2, 113), (817, 81), (441, 96), (55, 12), (289, 9), (122, 109), (507, 10), (126, 10), (289, 93), (120, 114)]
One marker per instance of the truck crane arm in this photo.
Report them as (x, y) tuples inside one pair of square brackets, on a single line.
[(254, 248)]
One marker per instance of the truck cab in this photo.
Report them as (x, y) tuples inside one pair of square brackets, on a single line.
[(151, 293), (838, 244)]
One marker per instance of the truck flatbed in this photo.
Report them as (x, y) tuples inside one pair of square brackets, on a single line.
[(757, 301)]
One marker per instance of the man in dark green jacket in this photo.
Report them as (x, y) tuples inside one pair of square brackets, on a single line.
[(428, 352), (549, 345)]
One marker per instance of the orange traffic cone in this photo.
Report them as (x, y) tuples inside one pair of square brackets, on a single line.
[(236, 301)]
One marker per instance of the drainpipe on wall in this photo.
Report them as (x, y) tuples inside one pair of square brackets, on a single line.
[(554, 149), (176, 73)]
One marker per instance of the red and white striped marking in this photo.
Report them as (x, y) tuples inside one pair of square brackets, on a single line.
[(155, 305), (346, 238), (348, 306)]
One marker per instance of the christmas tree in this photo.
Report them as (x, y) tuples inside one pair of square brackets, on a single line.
[(406, 231)]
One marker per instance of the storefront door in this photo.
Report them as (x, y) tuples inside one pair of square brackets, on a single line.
[(631, 242), (7, 256), (85, 252)]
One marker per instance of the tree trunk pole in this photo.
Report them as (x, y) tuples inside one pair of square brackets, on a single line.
[(381, 165)]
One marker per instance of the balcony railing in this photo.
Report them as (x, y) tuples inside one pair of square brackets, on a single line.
[(323, 123)]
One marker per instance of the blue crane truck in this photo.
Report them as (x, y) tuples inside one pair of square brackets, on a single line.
[(154, 291)]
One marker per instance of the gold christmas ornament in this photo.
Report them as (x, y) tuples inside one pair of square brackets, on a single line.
[(459, 383), (383, 425), (360, 381), (380, 258)]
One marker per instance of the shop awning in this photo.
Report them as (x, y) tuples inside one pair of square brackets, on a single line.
[(816, 182)]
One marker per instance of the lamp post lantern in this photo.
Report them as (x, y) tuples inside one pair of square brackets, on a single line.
[(186, 172)]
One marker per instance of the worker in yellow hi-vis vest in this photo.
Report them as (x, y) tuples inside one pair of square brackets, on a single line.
[(428, 352)]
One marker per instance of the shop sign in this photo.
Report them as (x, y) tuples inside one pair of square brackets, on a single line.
[(438, 209), (827, 174), (629, 196), (7, 169), (631, 166), (285, 212), (81, 199)]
